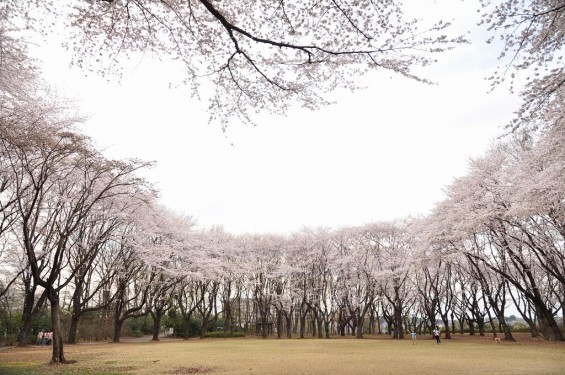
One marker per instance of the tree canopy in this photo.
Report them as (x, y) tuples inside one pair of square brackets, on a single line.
[(252, 55)]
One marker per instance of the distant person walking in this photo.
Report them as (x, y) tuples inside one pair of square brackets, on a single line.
[(413, 335), (436, 335)]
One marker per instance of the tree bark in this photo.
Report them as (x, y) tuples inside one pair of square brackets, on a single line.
[(58, 355), (156, 324), (29, 315)]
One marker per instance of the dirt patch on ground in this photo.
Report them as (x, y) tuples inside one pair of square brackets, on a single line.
[(190, 370)]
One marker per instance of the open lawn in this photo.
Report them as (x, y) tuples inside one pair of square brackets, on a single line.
[(461, 355)]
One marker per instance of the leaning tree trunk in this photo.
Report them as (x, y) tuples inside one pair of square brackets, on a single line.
[(28, 317), (27, 313), (505, 328), (550, 328)]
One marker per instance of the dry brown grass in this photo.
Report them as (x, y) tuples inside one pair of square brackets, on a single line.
[(462, 355)]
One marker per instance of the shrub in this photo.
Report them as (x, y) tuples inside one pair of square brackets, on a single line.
[(222, 334), (136, 333), (520, 327), (143, 324)]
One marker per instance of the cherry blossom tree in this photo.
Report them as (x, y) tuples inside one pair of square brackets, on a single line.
[(92, 250), (59, 180), (516, 246), (494, 289), (278, 54), (324, 262), (356, 268), (533, 39), (264, 274)]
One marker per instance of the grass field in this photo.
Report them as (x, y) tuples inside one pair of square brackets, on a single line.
[(461, 355)]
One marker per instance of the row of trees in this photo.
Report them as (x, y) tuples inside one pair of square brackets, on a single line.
[(77, 227), (98, 236)]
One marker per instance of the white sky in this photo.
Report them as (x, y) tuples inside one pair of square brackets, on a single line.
[(380, 153)]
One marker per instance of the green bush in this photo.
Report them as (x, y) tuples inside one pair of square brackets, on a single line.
[(136, 333), (222, 334), (520, 327), (143, 324)]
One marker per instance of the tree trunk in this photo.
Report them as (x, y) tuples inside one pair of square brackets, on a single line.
[(481, 324), (359, 324), (471, 327), (204, 328), (446, 324), (279, 324), (398, 327), (289, 326), (118, 323), (327, 328), (461, 325), (302, 322), (505, 328), (549, 327), (72, 339), (29, 313), (58, 355), (156, 324), (186, 327)]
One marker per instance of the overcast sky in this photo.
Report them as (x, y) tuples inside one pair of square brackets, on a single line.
[(380, 153)]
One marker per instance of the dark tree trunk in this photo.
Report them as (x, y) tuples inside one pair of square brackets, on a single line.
[(327, 328), (204, 328), (289, 326), (461, 325), (28, 317), (446, 324), (117, 330), (549, 327), (471, 327), (303, 312), (157, 315), (58, 355), (398, 327), (186, 326), (359, 325), (279, 324), (319, 322), (481, 324), (72, 339)]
